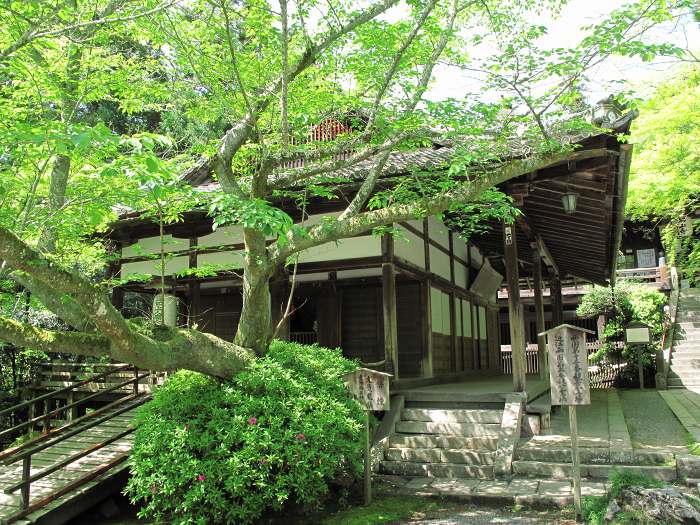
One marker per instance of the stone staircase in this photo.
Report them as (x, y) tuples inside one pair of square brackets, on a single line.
[(454, 442), (685, 358)]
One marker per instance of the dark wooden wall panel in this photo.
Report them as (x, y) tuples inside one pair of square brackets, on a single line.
[(442, 360), (362, 323), (409, 323), (220, 314)]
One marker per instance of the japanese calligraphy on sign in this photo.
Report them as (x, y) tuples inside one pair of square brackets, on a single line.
[(369, 387), (568, 365)]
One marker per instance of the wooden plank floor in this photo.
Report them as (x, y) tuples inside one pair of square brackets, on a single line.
[(10, 474)]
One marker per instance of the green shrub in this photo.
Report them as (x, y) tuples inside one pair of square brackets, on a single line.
[(594, 508), (225, 452)]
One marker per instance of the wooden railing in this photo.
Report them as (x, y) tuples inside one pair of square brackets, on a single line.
[(531, 358), (304, 338), (658, 275), (51, 437)]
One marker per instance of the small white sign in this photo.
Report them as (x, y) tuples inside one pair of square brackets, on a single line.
[(637, 335), (369, 387)]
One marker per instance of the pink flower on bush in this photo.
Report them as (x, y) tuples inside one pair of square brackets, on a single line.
[(300, 436), (253, 421), (201, 477)]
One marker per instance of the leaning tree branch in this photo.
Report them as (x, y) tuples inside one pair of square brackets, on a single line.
[(28, 336), (463, 192), (91, 299)]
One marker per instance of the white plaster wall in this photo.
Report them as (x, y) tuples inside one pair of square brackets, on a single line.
[(466, 318), (228, 259), (410, 248), (152, 267), (354, 248), (223, 235), (149, 245), (440, 311), (362, 272), (439, 263), (460, 275), (439, 233)]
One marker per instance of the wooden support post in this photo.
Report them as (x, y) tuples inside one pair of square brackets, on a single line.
[(391, 337), (194, 286), (539, 314), (515, 308), (427, 361), (368, 461), (26, 473), (556, 300), (575, 465), (114, 271)]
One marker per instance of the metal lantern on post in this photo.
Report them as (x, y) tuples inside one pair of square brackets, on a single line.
[(638, 334)]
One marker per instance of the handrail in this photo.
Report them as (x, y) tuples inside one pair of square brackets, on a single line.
[(16, 457), (70, 459), (101, 469), (56, 431), (669, 333), (63, 390), (56, 411)]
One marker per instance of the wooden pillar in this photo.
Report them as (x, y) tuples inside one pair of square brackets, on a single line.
[(515, 308), (454, 362), (114, 271), (391, 338), (556, 300), (539, 313), (194, 287), (427, 361)]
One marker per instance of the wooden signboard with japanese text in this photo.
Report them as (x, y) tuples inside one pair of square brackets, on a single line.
[(568, 365), (369, 387)]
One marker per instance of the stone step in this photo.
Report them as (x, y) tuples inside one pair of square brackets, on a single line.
[(453, 429), (685, 368), (435, 470), (440, 455), (452, 416), (563, 470), (589, 455), (450, 442), (685, 381)]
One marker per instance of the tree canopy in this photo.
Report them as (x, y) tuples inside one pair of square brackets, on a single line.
[(665, 176), (108, 103)]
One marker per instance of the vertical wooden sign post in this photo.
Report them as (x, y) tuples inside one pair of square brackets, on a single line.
[(568, 376), (638, 334), (371, 389)]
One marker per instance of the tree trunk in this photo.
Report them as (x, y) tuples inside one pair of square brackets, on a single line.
[(255, 324)]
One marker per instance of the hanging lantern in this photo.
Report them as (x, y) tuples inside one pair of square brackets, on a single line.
[(568, 200)]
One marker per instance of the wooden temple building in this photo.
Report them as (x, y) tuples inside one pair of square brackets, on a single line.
[(422, 304)]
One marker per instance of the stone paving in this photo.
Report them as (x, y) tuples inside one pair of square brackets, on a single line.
[(517, 490)]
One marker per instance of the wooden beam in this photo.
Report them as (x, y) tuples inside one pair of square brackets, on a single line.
[(556, 300), (515, 308), (389, 306), (539, 248)]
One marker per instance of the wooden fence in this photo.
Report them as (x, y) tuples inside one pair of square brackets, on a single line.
[(602, 375)]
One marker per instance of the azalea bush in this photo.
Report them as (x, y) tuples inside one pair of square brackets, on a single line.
[(208, 451)]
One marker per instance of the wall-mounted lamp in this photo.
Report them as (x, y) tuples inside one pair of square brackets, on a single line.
[(568, 200)]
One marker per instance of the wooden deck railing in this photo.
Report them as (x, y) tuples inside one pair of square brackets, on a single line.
[(657, 275), (304, 338), (532, 362), (51, 437)]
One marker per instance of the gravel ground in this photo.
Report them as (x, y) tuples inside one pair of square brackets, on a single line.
[(480, 515)]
